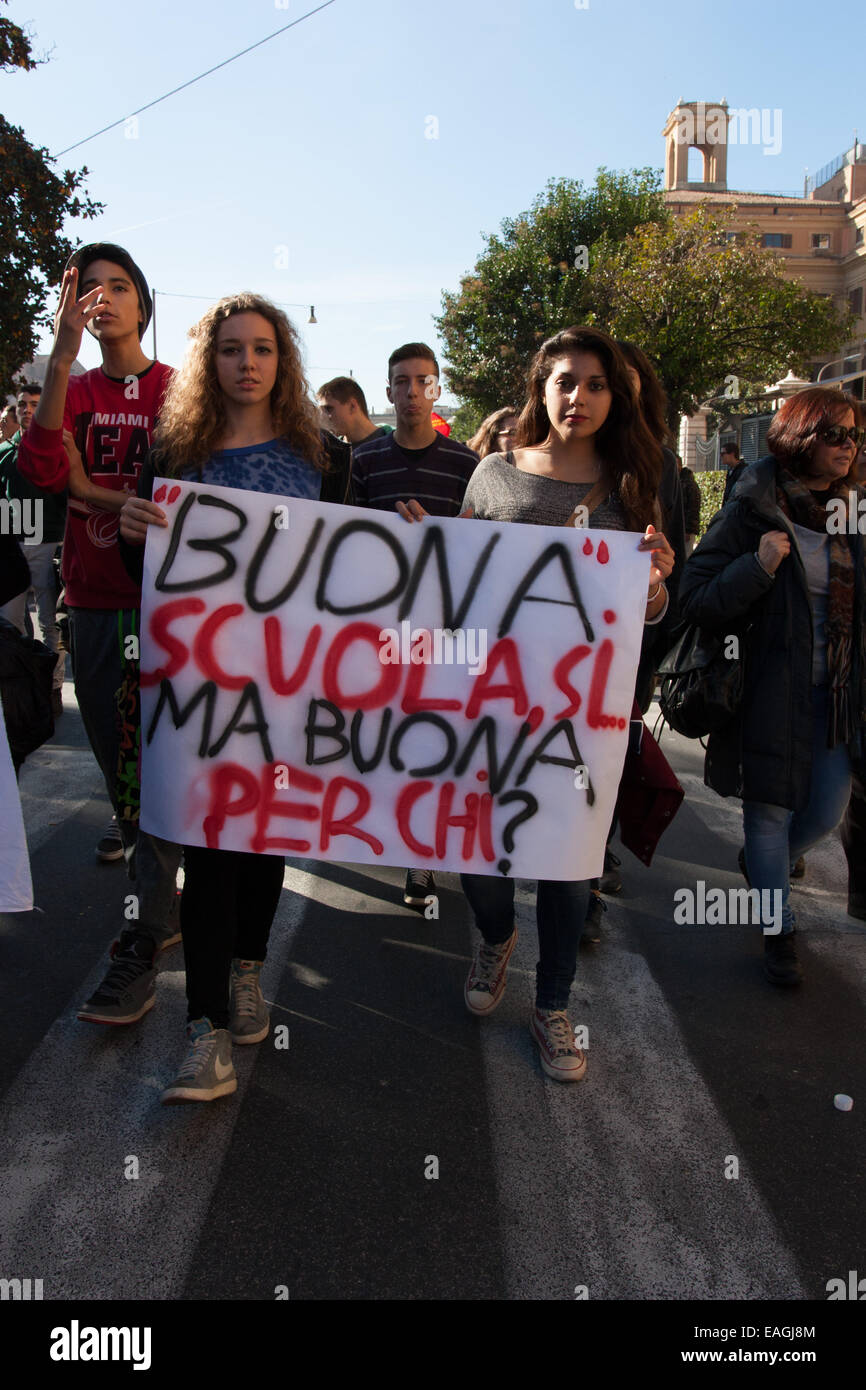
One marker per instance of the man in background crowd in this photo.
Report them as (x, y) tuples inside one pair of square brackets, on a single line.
[(8, 423), (416, 461), (691, 504), (734, 464), (48, 511), (344, 411)]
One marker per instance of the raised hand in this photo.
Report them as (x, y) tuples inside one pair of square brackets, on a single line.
[(73, 315)]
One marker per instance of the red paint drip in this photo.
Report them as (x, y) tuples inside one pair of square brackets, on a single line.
[(587, 546), (534, 717), (173, 495), (603, 553), (160, 493), (481, 775), (609, 615)]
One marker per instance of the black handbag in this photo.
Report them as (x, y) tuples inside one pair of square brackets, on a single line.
[(701, 687)]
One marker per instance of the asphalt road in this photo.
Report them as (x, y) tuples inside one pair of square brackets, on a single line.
[(312, 1181)]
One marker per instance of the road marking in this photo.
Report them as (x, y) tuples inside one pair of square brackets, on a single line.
[(617, 1183)]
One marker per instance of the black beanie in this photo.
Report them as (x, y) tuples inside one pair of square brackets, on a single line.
[(107, 251)]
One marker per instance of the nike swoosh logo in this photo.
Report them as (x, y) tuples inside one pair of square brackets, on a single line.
[(222, 1071)]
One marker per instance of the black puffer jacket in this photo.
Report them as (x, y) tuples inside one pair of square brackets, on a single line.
[(659, 637), (766, 753)]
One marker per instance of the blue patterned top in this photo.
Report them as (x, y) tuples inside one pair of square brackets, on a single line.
[(273, 467)]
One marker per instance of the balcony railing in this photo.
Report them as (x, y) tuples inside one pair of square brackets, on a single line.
[(826, 172)]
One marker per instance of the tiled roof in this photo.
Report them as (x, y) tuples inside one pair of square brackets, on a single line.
[(697, 195)]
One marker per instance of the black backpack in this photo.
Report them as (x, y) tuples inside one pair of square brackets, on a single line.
[(701, 688), (26, 675)]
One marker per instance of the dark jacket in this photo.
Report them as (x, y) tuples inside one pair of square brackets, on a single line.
[(658, 638), (765, 754), (734, 475), (14, 484), (691, 501), (14, 569), (336, 487)]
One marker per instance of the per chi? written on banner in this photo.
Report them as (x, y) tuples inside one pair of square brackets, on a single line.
[(324, 682)]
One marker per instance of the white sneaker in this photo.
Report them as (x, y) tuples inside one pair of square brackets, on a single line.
[(560, 1056), (485, 983)]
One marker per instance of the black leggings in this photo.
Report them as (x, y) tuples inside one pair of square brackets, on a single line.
[(228, 904)]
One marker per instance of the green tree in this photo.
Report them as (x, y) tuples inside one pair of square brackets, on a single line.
[(466, 421), (34, 204), (714, 314), (531, 280)]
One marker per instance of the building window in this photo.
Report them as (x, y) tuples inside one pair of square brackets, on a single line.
[(779, 240), (858, 236), (855, 300), (736, 237), (820, 241)]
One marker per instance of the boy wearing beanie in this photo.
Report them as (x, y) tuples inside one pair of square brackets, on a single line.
[(90, 435)]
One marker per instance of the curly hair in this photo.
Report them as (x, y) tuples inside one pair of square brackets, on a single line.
[(632, 458), (193, 417), (483, 442), (795, 428)]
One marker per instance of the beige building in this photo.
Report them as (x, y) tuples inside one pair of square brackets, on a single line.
[(821, 237)]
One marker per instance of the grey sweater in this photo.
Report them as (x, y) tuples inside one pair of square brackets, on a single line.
[(498, 491)]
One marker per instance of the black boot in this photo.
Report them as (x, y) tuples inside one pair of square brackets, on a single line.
[(596, 909), (781, 965)]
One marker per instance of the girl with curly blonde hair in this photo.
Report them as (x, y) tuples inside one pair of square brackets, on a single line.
[(238, 414)]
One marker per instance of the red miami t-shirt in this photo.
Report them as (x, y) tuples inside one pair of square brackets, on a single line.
[(113, 426)]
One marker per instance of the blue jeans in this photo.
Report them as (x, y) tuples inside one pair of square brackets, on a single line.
[(776, 837), (560, 912)]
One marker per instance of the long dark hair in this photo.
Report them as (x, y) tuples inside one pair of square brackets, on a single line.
[(797, 424), (632, 458), (653, 401)]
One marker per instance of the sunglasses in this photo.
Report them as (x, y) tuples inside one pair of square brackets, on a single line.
[(835, 435)]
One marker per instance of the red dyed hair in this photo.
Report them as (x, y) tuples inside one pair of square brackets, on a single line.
[(794, 432)]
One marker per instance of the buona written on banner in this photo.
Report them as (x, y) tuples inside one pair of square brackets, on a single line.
[(303, 691)]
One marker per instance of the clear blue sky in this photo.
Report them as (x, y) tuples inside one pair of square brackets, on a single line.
[(316, 142)]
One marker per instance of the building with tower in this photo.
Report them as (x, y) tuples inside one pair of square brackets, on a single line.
[(820, 237)]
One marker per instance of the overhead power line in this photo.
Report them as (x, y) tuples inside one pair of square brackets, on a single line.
[(192, 80)]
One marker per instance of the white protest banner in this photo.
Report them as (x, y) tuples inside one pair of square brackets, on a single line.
[(16, 887), (330, 682)]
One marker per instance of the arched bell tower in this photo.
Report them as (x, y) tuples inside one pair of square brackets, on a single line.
[(702, 126)]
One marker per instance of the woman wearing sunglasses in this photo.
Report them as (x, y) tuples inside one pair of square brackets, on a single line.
[(496, 434), (780, 568)]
